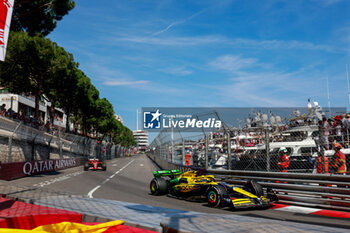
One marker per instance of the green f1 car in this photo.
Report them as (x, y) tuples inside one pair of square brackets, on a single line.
[(193, 184)]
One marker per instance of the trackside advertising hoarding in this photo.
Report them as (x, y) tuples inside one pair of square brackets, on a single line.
[(9, 171), (6, 7)]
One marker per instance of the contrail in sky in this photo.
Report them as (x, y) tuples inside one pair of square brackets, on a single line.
[(177, 23)]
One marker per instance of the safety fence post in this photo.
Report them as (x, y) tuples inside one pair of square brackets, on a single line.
[(60, 145), (267, 143), (321, 144), (228, 151), (33, 148), (9, 157), (206, 151), (183, 151), (49, 148)]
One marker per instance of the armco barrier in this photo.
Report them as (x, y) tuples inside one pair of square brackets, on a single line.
[(317, 190), (9, 171)]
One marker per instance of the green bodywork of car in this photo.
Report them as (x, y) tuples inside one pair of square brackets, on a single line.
[(172, 174)]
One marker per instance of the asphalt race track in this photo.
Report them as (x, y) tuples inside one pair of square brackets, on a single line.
[(127, 179)]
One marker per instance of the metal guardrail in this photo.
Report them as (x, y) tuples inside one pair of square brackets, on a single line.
[(313, 190)]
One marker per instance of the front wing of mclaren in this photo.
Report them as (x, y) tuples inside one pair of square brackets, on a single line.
[(239, 198)]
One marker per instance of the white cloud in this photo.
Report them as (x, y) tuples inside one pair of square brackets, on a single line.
[(125, 83), (264, 87), (224, 41), (178, 71), (145, 86), (279, 44), (172, 41), (232, 63)]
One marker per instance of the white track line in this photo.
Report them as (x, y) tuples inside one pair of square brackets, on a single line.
[(106, 180), (298, 209), (58, 179)]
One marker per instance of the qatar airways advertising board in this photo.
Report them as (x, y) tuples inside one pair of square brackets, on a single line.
[(6, 7), (9, 171)]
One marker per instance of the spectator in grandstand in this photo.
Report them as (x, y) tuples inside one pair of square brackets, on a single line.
[(21, 116), (338, 131), (48, 126), (326, 127), (3, 110), (346, 123), (37, 123), (14, 115), (9, 113)]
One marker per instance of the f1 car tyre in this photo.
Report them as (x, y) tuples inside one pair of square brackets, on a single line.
[(104, 167), (255, 188), (215, 196), (158, 186), (86, 167)]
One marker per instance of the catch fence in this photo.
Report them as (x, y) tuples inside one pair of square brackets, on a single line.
[(291, 147), (20, 142), (297, 158)]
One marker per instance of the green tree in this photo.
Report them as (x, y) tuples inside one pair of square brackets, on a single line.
[(15, 67), (30, 64), (67, 96), (39, 16), (84, 107), (36, 65), (59, 87), (102, 118), (124, 136)]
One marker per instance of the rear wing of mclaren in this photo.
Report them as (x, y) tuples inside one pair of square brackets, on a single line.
[(171, 173)]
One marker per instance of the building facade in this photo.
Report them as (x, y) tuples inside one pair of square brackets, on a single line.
[(141, 138), (24, 105)]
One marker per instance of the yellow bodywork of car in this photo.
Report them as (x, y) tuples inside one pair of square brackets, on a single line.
[(190, 181)]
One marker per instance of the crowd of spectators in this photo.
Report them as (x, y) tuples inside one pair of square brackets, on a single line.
[(336, 129), (37, 123)]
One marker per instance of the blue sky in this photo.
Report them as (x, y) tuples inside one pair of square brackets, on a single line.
[(204, 53)]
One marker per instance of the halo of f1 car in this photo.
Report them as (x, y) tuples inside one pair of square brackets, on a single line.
[(95, 164), (195, 185)]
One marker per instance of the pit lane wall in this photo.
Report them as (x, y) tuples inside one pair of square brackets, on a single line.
[(10, 171)]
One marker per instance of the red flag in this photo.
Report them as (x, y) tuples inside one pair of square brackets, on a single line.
[(6, 7)]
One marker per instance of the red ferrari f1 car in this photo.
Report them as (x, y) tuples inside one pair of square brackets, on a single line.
[(95, 164)]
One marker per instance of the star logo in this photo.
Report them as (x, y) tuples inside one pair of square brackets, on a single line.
[(151, 120), (156, 115)]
